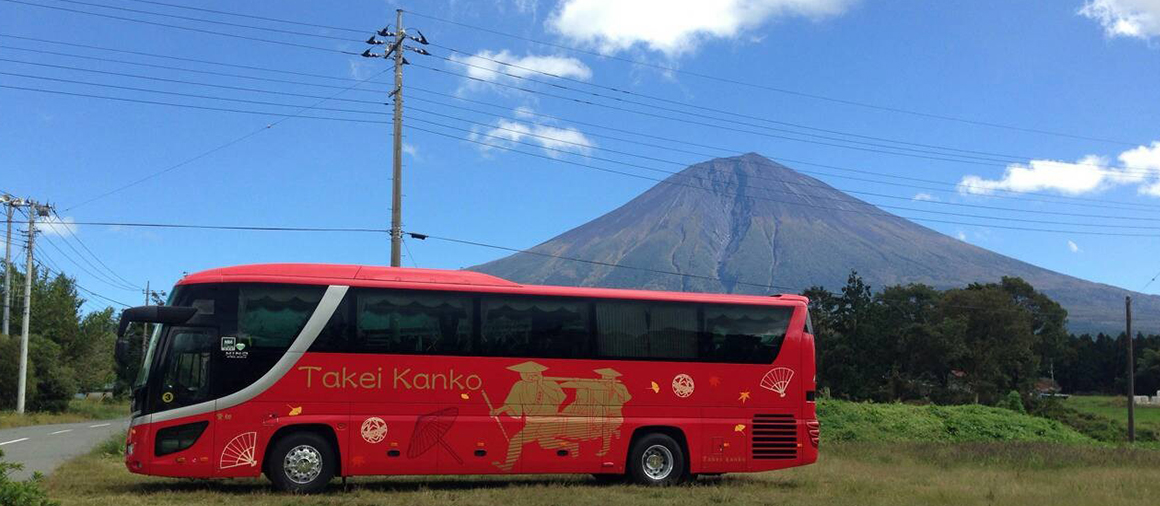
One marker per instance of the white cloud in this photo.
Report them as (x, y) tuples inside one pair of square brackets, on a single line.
[(1125, 18), (483, 66), (1072, 246), (925, 197), (674, 27), (55, 225), (1137, 166), (962, 236), (410, 150), (554, 140)]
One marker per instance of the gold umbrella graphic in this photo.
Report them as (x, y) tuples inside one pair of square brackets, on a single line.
[(429, 431)]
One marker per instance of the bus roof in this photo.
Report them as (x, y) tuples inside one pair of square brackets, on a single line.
[(448, 280)]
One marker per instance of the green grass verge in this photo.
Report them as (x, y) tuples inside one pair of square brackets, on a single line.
[(894, 473), (867, 422), (1115, 408), (79, 410)]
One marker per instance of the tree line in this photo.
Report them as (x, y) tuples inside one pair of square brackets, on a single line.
[(68, 352), (963, 345)]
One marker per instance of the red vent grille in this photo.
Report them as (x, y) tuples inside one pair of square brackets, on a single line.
[(774, 437)]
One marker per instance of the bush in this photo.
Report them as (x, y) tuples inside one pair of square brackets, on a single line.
[(1012, 401), (1100, 428), (50, 383), (857, 421), (20, 493)]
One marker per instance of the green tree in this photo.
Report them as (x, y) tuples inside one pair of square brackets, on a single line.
[(999, 339)]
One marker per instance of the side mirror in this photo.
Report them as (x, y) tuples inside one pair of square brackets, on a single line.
[(121, 351), (154, 314)]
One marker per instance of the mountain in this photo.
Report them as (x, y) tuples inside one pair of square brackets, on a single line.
[(746, 222)]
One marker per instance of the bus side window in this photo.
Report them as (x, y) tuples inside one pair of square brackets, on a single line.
[(412, 323), (548, 327)]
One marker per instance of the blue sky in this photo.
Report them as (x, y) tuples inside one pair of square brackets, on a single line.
[(1083, 67)]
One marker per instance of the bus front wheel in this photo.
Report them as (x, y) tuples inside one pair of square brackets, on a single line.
[(656, 459), (302, 462)]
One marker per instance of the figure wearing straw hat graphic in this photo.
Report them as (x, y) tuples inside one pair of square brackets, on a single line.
[(537, 400), (596, 413)]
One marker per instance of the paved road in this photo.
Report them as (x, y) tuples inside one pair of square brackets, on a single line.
[(44, 447)]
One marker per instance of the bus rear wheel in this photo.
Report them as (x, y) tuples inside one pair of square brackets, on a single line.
[(656, 460), (302, 463)]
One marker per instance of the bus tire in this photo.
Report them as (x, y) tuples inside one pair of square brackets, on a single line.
[(302, 463), (656, 460)]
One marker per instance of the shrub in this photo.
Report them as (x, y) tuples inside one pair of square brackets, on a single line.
[(50, 383), (857, 421), (20, 493), (1012, 401)]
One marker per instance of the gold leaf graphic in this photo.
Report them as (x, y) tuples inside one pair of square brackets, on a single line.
[(295, 410), (655, 388), (739, 427)]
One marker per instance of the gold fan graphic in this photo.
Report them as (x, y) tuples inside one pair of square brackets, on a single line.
[(777, 380), (240, 451)]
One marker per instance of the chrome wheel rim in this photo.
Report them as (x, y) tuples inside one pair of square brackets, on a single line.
[(657, 462), (302, 464)]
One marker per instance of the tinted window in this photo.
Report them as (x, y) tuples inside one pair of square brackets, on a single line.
[(534, 327), (744, 334), (186, 369), (403, 322), (271, 316), (639, 330)]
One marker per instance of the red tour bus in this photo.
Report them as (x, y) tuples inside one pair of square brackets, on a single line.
[(307, 372)]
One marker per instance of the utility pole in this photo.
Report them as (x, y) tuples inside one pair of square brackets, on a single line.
[(396, 52), (8, 210), (397, 174), (1131, 373), (34, 210)]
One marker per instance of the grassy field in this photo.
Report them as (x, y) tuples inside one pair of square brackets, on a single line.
[(79, 410), (844, 421), (1115, 408), (848, 473)]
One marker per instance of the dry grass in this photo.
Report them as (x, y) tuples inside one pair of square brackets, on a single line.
[(848, 473)]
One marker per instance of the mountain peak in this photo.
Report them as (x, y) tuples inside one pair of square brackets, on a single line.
[(747, 224)]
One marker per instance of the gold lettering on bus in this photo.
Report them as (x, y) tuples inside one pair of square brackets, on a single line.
[(401, 379)]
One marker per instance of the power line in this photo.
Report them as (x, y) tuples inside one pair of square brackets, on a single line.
[(793, 183), (888, 215), (622, 173), (220, 147), (785, 91), (704, 108), (885, 206), (954, 187), (1095, 202), (416, 235), (1004, 192), (73, 236), (493, 70), (60, 272), (881, 149), (187, 28), (85, 45), (203, 20), (103, 279), (251, 16)]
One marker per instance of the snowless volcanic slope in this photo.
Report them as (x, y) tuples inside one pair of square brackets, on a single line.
[(750, 222)]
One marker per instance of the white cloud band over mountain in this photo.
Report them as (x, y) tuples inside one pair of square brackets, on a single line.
[(1138, 166)]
